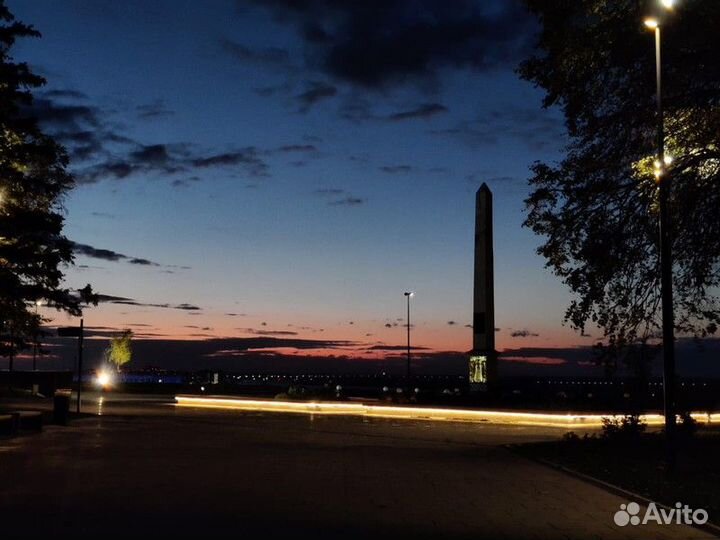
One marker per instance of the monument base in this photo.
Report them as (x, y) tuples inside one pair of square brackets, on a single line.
[(482, 370)]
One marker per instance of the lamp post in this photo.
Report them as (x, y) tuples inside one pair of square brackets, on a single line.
[(408, 295), (38, 303), (664, 184)]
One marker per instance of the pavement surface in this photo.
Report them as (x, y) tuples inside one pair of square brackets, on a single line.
[(137, 465)]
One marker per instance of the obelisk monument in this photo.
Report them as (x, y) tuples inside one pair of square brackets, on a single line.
[(482, 372)]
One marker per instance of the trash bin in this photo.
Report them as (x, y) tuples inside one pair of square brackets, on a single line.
[(61, 407)]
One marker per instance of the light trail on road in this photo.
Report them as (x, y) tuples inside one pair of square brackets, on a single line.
[(527, 418)]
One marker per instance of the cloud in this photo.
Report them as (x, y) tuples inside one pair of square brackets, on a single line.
[(142, 262), (539, 129), (107, 332), (298, 148), (268, 332), (380, 43), (121, 300), (423, 111), (523, 333), (273, 90), (396, 348), (274, 342), (153, 154), (329, 191), (62, 116), (170, 159), (543, 361), (154, 110), (92, 252), (340, 197), (272, 56), (348, 201), (184, 182), (109, 255), (106, 298), (247, 157), (64, 93), (396, 169), (187, 307), (98, 151), (315, 92)]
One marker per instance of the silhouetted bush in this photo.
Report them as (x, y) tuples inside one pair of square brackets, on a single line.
[(688, 426), (628, 427)]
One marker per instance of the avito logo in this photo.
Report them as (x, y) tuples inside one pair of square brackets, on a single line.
[(629, 514)]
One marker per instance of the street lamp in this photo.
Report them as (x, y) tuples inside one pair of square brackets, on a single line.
[(663, 180), (408, 295)]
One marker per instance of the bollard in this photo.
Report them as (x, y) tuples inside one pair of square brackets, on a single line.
[(61, 407)]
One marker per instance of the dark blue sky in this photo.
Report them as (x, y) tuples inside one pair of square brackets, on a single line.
[(291, 168)]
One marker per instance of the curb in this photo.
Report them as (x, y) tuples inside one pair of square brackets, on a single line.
[(708, 527)]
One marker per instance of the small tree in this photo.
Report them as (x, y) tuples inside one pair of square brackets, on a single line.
[(119, 352)]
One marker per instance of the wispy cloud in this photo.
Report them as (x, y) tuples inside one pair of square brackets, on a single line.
[(314, 93), (424, 111), (523, 333), (92, 252), (99, 151), (109, 299), (396, 169), (538, 129), (339, 197)]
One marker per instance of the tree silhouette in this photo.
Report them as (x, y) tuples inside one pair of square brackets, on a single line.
[(33, 182), (597, 209)]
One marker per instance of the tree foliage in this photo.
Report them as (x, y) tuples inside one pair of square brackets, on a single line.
[(119, 352), (33, 181), (597, 208)]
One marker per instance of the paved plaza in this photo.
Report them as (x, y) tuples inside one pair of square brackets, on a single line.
[(148, 468)]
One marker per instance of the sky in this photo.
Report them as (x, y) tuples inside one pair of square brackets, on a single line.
[(269, 177)]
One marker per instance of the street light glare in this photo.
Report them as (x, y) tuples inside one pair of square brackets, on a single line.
[(104, 379), (668, 4), (652, 23)]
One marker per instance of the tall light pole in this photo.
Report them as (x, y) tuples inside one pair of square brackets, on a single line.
[(38, 303), (408, 295), (664, 184)]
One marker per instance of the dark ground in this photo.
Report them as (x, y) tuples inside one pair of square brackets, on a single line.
[(145, 468), (639, 466)]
